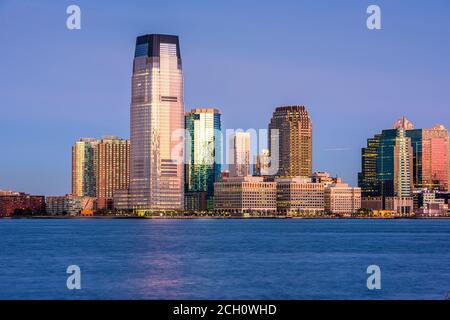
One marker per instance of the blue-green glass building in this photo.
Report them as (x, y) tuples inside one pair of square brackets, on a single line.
[(203, 157)]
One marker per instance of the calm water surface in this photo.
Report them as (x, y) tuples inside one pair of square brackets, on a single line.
[(224, 259)]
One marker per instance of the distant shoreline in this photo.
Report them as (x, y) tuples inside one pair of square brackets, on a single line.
[(109, 217)]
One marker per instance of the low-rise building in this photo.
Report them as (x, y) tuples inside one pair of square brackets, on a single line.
[(430, 204), (300, 195), (372, 203), (237, 195), (70, 205), (340, 198), (403, 206), (18, 202)]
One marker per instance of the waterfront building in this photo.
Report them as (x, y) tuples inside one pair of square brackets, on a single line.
[(203, 157), (372, 203), (238, 195), (70, 205), (112, 169), (403, 206), (401, 160), (18, 202), (157, 125), (300, 195), (316, 195), (340, 198), (291, 127), (83, 167), (240, 149), (430, 203), (121, 200)]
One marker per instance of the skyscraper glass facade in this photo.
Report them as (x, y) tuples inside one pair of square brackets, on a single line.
[(157, 125), (394, 164), (203, 156), (367, 178)]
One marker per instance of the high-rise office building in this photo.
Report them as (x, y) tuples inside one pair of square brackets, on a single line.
[(291, 127), (367, 178), (387, 165), (403, 164), (203, 157), (241, 154), (436, 158), (393, 165), (112, 169), (429, 159), (386, 179), (83, 168), (157, 125)]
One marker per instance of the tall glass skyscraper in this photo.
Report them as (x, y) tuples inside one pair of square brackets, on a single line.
[(431, 157), (203, 157), (157, 124), (387, 165), (367, 178), (386, 179)]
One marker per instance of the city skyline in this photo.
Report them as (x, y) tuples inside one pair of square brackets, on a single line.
[(340, 157)]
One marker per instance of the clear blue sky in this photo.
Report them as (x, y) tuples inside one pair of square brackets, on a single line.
[(243, 57)]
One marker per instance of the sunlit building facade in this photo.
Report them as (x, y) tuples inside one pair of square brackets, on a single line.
[(291, 127), (157, 125), (83, 167), (340, 198), (431, 160), (203, 157), (300, 195), (20, 203), (435, 158), (238, 195), (112, 169)]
